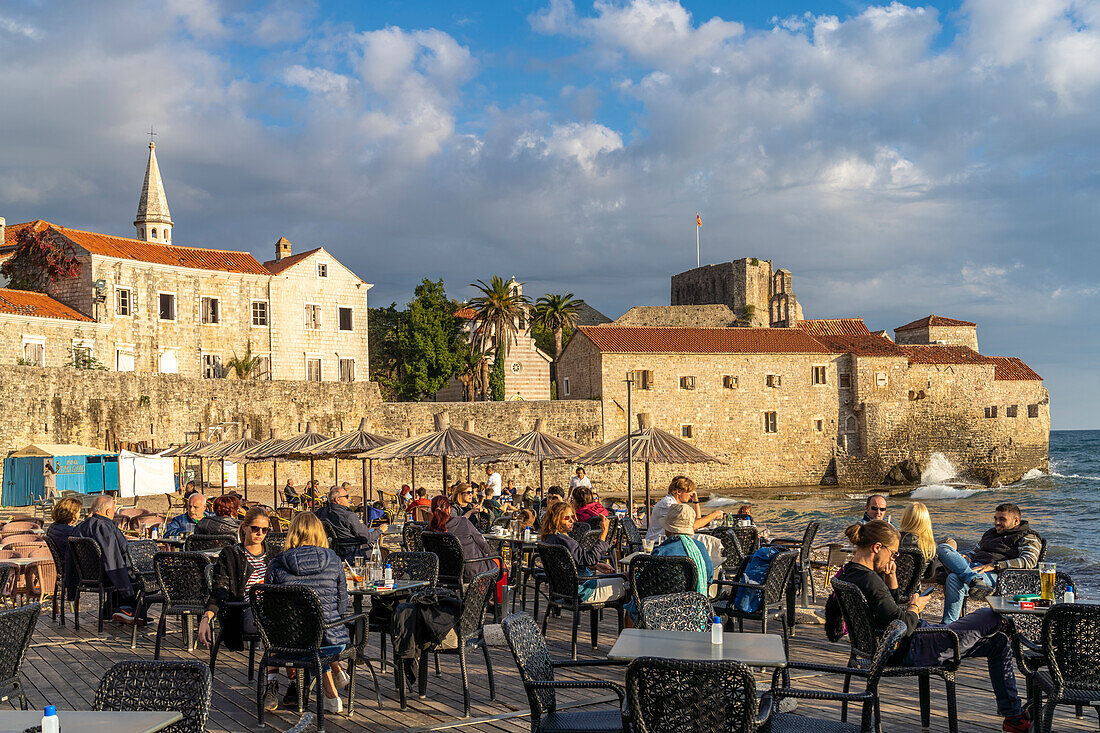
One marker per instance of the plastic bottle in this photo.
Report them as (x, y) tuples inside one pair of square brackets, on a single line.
[(50, 722), (388, 577), (716, 630), (526, 534), (153, 533), (1069, 596)]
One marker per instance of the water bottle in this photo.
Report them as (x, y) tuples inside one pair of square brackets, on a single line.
[(1069, 596), (153, 533), (716, 630), (526, 534), (388, 577), (50, 721)]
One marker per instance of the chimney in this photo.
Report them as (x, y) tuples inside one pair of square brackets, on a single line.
[(3, 223), (282, 249)]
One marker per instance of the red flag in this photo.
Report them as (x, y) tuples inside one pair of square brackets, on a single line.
[(698, 220)]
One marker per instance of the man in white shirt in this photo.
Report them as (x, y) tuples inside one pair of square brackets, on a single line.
[(680, 491), (493, 481), (580, 480)]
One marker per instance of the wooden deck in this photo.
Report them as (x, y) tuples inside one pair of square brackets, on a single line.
[(63, 668)]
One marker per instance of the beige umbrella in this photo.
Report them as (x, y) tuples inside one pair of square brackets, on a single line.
[(245, 457), (540, 446), (647, 444), (185, 452), (292, 448), (445, 442), (350, 444), (228, 449)]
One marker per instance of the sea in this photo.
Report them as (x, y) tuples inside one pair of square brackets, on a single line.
[(1062, 504)]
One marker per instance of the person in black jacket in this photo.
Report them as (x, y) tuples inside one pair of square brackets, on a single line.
[(980, 634), (472, 541), (307, 560), (556, 527), (101, 527), (354, 537), (65, 513), (224, 520)]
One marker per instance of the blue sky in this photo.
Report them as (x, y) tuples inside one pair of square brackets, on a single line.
[(901, 158)]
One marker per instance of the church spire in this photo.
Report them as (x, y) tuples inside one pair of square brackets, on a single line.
[(153, 222)]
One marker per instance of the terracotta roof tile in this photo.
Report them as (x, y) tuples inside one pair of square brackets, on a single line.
[(40, 305), (1012, 368), (861, 345), (466, 313), (277, 266), (677, 340), (1005, 368), (200, 258), (933, 321), (835, 326)]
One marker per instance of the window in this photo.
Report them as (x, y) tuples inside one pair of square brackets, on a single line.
[(259, 313), (262, 370), (991, 411), (347, 322), (313, 316), (818, 375), (643, 379), (729, 382), (211, 310), (313, 370), (1012, 411), (819, 425), (34, 351), (687, 382), (347, 370), (880, 379), (322, 269), (1033, 411), (154, 233), (773, 380), (124, 358), (566, 384), (771, 424), (169, 363), (167, 306), (687, 431), (845, 380), (211, 366), (124, 299)]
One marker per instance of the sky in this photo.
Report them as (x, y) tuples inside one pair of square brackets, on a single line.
[(900, 159)]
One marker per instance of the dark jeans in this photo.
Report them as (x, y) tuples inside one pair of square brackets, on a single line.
[(980, 635)]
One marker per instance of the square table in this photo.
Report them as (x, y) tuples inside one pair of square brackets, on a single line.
[(24, 561), (754, 650), (1005, 604), (86, 721), (400, 587)]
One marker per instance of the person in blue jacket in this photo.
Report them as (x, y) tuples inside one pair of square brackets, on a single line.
[(185, 523)]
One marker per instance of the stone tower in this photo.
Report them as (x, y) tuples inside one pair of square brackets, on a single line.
[(153, 222), (759, 295)]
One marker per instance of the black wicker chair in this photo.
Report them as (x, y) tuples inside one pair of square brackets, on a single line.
[(630, 539), (773, 594), (410, 536), (865, 643), (204, 542), (802, 567), (405, 566), (184, 583), (652, 575), (675, 696), (735, 558), (16, 629), (469, 633), (591, 537), (871, 719), (275, 541), (580, 529), (86, 557), (292, 626), (749, 537), (563, 592), (144, 578), (147, 686), (536, 671), (910, 568), (689, 611), (59, 585), (1071, 640), (451, 560)]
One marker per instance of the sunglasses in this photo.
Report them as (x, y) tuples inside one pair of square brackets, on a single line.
[(261, 530), (878, 509)]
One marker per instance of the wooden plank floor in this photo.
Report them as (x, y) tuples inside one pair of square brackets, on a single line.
[(63, 668)]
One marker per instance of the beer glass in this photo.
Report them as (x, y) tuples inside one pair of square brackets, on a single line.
[(1046, 581)]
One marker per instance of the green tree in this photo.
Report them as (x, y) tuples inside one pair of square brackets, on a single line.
[(428, 342), (556, 313), (38, 261), (387, 368), (496, 376), (243, 366), (499, 312)]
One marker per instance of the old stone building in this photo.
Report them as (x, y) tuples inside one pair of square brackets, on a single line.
[(147, 305), (938, 330), (757, 294)]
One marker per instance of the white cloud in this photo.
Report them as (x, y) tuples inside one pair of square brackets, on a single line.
[(317, 81), (17, 28), (584, 143)]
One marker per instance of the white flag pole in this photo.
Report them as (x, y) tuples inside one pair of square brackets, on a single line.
[(697, 228)]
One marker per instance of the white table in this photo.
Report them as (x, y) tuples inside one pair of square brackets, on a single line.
[(16, 721), (754, 650)]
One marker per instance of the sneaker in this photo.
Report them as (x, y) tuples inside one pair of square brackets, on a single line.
[(341, 679), (123, 616), (290, 699), (334, 705), (271, 695), (1019, 724), (979, 590)]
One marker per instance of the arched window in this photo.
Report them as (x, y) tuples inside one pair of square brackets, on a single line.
[(154, 233), (142, 230)]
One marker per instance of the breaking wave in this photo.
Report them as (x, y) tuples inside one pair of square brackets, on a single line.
[(943, 492), (939, 471), (1033, 473)]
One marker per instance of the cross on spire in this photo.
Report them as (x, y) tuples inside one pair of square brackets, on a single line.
[(151, 134)]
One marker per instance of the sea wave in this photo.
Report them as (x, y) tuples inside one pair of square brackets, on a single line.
[(1055, 474), (943, 492)]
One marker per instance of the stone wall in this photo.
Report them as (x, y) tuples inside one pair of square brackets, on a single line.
[(736, 284), (698, 316), (55, 334), (947, 335)]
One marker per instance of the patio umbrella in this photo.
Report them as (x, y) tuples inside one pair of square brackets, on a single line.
[(445, 442), (293, 448), (229, 449), (540, 446), (349, 445), (647, 444), (245, 457), (185, 452)]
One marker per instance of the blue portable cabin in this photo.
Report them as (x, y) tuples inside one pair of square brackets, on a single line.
[(79, 468)]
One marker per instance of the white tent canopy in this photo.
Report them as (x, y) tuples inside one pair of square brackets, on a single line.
[(140, 475), (44, 450)]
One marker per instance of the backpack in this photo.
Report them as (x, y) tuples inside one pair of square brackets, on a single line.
[(748, 600), (835, 629)]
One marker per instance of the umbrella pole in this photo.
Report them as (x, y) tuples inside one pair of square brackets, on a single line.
[(202, 477), (275, 481), (311, 479), (469, 471), (370, 476), (542, 464), (244, 468), (365, 490), (336, 471), (413, 473), (223, 476), (647, 486)]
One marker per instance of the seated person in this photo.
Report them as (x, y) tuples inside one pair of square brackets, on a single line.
[(556, 526), (352, 536), (529, 498), (473, 543), (681, 490), (980, 634), (405, 496), (66, 512), (462, 500), (291, 495), (588, 508), (683, 542), (187, 522), (100, 526), (743, 516), (224, 521), (916, 533), (188, 490), (553, 491), (420, 500), (875, 508), (1009, 544), (528, 520)]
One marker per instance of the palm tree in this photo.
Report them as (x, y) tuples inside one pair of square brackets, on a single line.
[(500, 309), (470, 361), (244, 365), (556, 313)]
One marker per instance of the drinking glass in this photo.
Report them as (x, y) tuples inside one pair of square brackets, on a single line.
[(1046, 580), (648, 545)]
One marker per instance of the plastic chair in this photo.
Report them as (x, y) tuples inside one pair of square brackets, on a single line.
[(143, 685)]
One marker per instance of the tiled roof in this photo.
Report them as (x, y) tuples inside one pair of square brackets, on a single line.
[(466, 313), (835, 326), (867, 344), (277, 266), (675, 340), (1004, 367), (199, 258), (933, 320), (1012, 368), (25, 303)]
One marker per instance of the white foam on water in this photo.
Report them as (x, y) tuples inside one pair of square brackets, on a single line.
[(939, 471), (939, 491), (1033, 473)]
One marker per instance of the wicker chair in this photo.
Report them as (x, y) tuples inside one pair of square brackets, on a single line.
[(735, 558), (410, 536), (653, 575), (292, 625), (802, 567), (41, 577), (773, 594), (59, 587), (1071, 639), (536, 671), (16, 629), (591, 537), (184, 582), (749, 537), (275, 541), (86, 557), (563, 592), (688, 611), (871, 719), (580, 529), (675, 696), (201, 542), (405, 566), (451, 560), (911, 567), (470, 633), (865, 644), (630, 539), (143, 685)]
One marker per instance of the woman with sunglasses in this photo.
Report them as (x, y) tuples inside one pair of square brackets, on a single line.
[(238, 568), (556, 527)]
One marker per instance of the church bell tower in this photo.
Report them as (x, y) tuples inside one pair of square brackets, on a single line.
[(153, 222)]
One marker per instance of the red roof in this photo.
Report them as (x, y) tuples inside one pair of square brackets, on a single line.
[(834, 326), (277, 266), (466, 312), (40, 305), (931, 321), (200, 258), (1004, 367), (861, 345), (678, 340), (1012, 368)]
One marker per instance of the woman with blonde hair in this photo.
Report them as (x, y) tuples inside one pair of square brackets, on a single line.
[(916, 533), (556, 526)]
